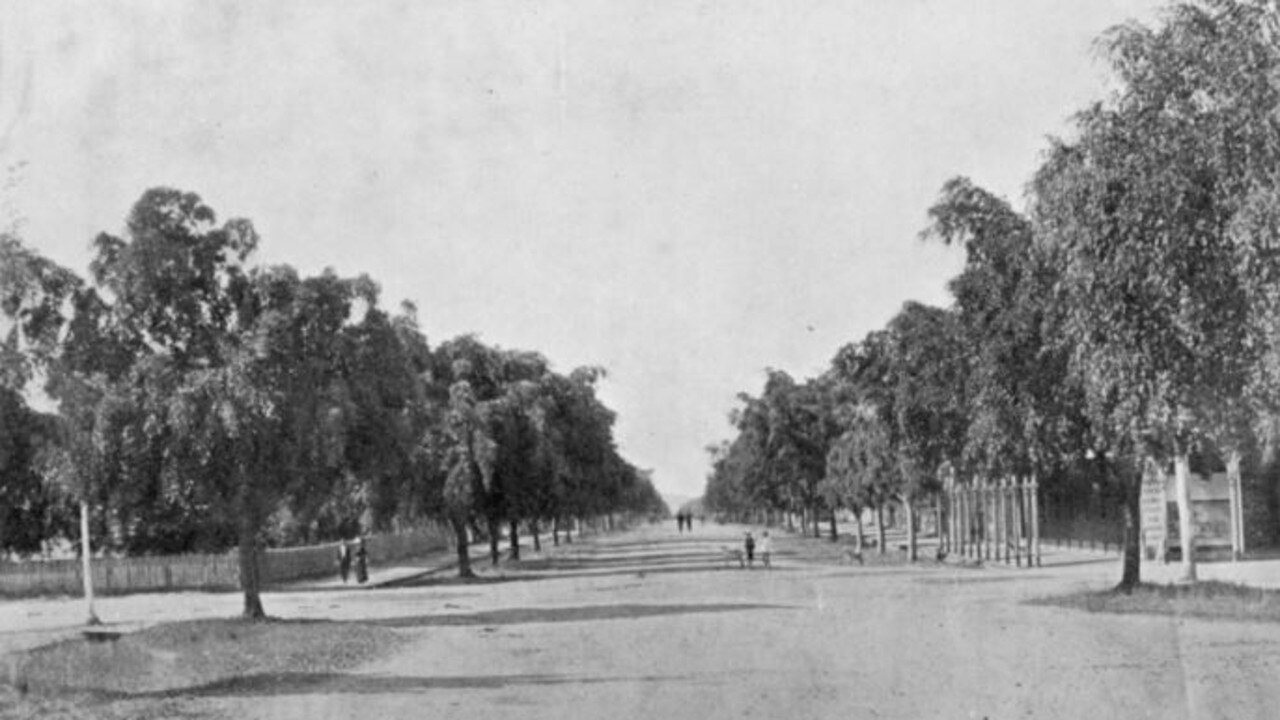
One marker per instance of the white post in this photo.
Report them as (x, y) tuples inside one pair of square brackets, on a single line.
[(1186, 528), (86, 567), (1237, 504), (1035, 520)]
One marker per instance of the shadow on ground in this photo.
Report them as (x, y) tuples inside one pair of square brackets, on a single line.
[(972, 580), (583, 613), (578, 567), (300, 683)]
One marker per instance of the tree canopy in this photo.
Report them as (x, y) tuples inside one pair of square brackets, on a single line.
[(1129, 316), (206, 402)]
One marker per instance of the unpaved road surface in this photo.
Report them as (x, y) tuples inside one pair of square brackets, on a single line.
[(651, 624)]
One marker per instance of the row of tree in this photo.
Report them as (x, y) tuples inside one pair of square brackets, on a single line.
[(204, 403), (1126, 322)]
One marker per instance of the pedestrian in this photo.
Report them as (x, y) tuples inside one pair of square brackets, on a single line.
[(766, 548), (750, 544), (344, 561), (679, 522), (362, 562)]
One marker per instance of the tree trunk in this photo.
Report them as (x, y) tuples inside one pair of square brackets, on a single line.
[(835, 533), (880, 529), (460, 538), (515, 540), (537, 543), (1130, 576), (1186, 526), (908, 506), (817, 524), (555, 532), (495, 529), (250, 577), (937, 526)]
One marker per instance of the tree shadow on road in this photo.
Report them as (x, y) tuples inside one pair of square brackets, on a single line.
[(300, 683), (974, 580), (537, 570), (582, 613), (623, 545), (581, 562)]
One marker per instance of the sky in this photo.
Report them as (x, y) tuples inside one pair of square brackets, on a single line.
[(685, 193)]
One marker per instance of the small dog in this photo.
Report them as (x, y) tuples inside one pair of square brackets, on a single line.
[(729, 554)]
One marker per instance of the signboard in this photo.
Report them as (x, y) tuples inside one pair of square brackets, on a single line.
[(1155, 516), (1211, 520), (1211, 514)]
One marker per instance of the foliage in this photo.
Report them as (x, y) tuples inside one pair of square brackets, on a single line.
[(1132, 313), (204, 402)]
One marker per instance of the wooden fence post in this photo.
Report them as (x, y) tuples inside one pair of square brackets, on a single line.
[(1020, 492), (998, 507), (986, 519), (1035, 520), (1005, 525)]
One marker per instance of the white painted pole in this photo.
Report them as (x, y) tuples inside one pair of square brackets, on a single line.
[(86, 567), (1186, 526), (1237, 504)]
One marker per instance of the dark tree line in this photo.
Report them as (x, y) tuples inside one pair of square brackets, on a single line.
[(204, 403), (1125, 323)]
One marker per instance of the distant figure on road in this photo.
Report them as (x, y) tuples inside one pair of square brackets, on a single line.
[(750, 544), (362, 562), (766, 548), (344, 561)]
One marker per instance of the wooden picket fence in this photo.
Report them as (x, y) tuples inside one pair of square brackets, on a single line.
[(993, 520), (205, 572)]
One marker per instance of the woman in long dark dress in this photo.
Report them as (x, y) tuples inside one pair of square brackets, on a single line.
[(344, 561), (362, 562)]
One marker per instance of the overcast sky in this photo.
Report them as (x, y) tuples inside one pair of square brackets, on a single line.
[(683, 192)]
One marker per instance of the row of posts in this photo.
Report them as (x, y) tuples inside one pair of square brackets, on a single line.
[(993, 521)]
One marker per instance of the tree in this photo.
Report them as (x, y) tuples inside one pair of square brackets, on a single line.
[(1166, 208), (31, 509), (861, 469), (922, 394), (34, 295)]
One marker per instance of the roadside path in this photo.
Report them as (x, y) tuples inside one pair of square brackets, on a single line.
[(30, 622)]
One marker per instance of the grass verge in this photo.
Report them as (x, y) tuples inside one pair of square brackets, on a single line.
[(1208, 600), (146, 673)]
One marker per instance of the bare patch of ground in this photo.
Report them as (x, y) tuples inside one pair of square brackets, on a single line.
[(138, 674), (1205, 600)]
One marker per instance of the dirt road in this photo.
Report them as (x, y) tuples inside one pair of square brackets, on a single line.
[(651, 624)]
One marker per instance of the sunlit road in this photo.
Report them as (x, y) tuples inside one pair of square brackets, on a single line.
[(652, 624)]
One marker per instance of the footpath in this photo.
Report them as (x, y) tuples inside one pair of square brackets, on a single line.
[(1257, 573), (31, 622)]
